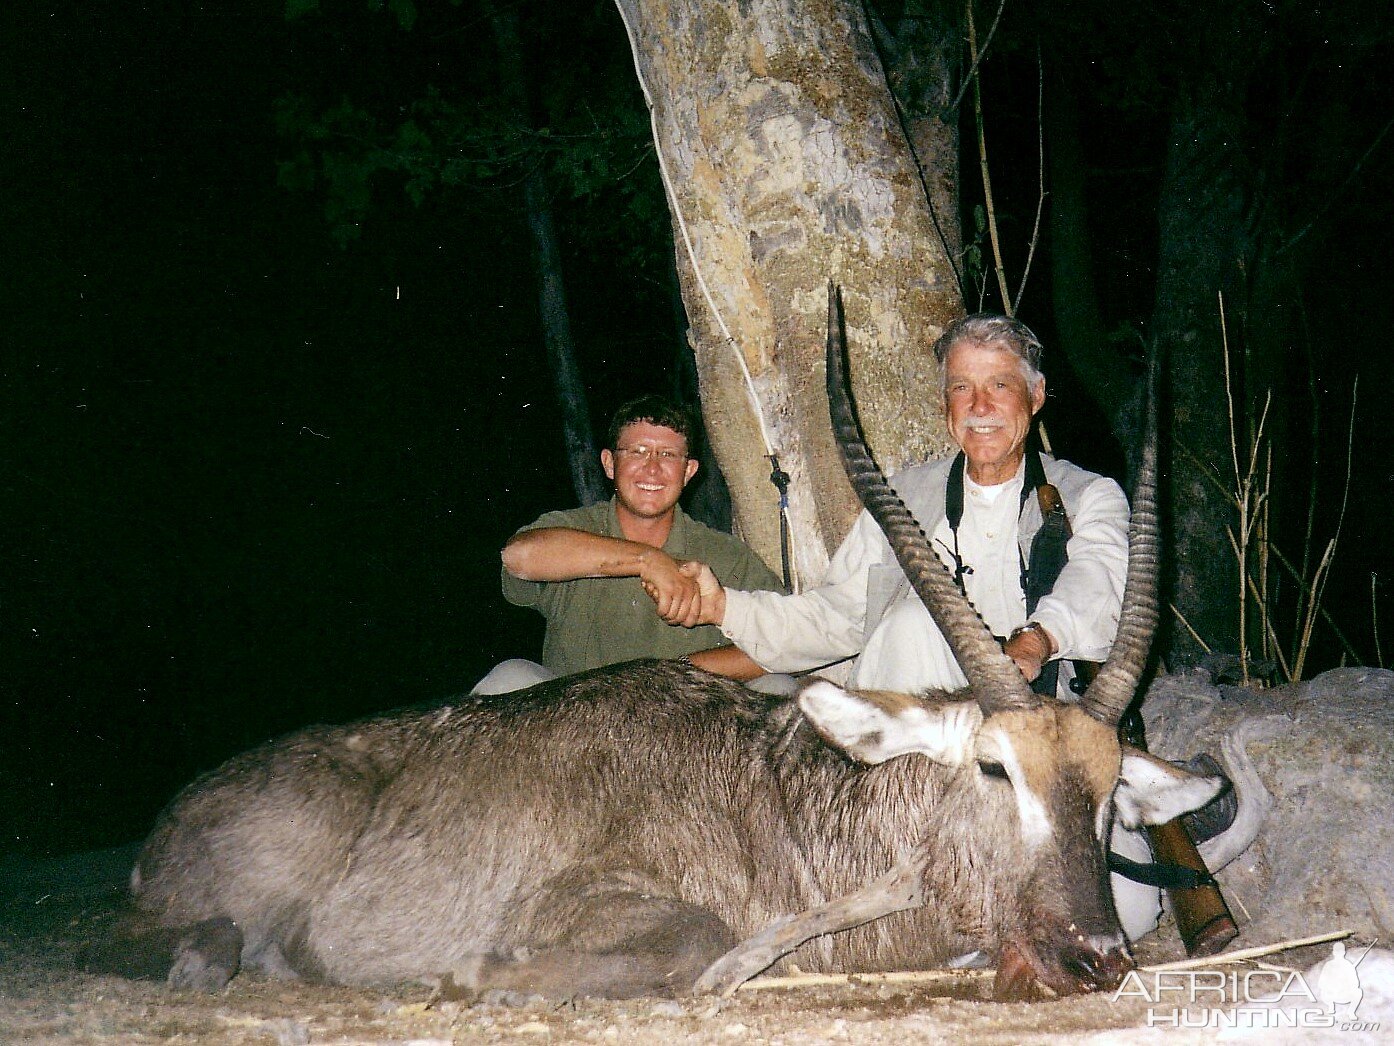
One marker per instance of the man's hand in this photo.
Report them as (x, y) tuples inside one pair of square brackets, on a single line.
[(1030, 649), (713, 597), (675, 594)]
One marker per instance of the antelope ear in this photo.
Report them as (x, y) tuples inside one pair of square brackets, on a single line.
[(1152, 791), (873, 727)]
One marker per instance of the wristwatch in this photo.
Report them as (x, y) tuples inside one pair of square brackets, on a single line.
[(1038, 628)]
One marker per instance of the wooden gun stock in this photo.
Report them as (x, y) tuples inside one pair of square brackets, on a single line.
[(1202, 917)]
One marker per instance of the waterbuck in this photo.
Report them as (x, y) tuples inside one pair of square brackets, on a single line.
[(615, 832)]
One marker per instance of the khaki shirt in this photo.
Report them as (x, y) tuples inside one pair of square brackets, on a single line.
[(601, 621)]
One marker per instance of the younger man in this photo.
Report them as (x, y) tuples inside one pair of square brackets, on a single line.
[(596, 573)]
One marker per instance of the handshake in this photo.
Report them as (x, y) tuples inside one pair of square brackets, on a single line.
[(684, 593)]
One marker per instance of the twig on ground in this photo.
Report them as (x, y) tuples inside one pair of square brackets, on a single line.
[(1374, 619), (1244, 954), (813, 980)]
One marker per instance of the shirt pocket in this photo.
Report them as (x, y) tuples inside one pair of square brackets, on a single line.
[(884, 584)]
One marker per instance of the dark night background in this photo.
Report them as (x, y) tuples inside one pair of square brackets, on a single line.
[(252, 479)]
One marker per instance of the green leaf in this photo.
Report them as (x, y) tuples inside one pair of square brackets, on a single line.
[(296, 8), (298, 173), (405, 10)]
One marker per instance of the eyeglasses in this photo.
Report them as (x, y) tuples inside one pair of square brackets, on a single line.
[(642, 455)]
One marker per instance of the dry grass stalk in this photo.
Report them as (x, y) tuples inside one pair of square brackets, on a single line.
[(1249, 492), (1245, 954), (1323, 571), (814, 980), (998, 266), (1194, 634)]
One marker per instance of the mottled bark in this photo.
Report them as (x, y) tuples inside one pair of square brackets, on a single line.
[(582, 458), (787, 167), (707, 497), (923, 56)]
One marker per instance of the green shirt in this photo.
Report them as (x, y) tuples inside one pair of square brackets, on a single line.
[(594, 621)]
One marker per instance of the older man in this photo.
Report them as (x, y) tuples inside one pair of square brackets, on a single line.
[(982, 511), (596, 573)]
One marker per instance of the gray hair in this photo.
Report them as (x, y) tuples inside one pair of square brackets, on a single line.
[(987, 328)]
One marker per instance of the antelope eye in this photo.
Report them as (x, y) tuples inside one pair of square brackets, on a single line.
[(991, 769)]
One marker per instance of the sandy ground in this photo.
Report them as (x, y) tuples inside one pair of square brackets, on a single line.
[(45, 999)]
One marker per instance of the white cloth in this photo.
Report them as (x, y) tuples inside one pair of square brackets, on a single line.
[(866, 607), (515, 674)]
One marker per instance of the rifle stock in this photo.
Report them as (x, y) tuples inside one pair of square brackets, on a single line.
[(1202, 917)]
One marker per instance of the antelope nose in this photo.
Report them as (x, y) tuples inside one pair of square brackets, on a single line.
[(1098, 970), (1111, 968)]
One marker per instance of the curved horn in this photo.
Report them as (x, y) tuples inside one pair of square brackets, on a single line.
[(1112, 691), (990, 672)]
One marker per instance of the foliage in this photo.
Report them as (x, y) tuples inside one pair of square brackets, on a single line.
[(588, 130), (404, 11), (1268, 649)]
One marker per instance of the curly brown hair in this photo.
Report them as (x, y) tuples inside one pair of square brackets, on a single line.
[(656, 410)]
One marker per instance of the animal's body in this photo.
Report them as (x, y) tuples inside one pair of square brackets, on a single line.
[(418, 842), (612, 833)]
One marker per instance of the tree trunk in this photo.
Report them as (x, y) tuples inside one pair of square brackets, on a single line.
[(581, 452), (1204, 245), (708, 498), (923, 59), (1079, 321), (786, 167)]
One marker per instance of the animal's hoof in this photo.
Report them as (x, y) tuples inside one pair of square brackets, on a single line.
[(207, 956), (462, 984)]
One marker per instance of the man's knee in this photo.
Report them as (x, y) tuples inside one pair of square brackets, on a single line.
[(514, 674), (776, 683)]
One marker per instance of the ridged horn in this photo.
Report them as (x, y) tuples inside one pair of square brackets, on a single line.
[(1112, 691), (991, 673)]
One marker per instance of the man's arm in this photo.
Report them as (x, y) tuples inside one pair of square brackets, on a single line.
[(565, 554), (729, 661)]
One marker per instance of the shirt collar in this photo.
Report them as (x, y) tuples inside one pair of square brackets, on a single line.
[(677, 534)]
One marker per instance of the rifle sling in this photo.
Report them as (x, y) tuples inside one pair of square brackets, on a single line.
[(1049, 552), (1157, 873)]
